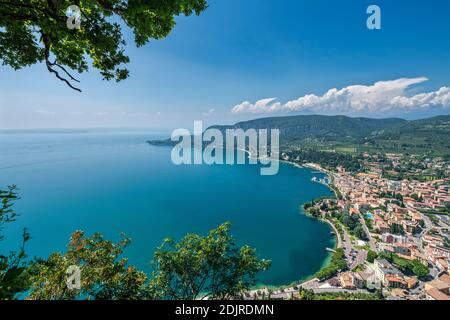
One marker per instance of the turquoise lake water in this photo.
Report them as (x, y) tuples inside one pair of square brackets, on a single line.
[(113, 182)]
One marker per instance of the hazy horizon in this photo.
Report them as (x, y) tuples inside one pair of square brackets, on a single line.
[(244, 60), (167, 130)]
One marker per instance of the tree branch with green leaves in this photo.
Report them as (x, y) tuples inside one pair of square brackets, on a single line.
[(205, 267), (34, 31), (210, 266), (13, 272)]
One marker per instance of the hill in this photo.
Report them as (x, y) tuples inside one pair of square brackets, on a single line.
[(430, 135), (316, 126), (351, 135)]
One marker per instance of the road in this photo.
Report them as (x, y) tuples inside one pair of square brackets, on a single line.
[(428, 223), (360, 258), (349, 251), (347, 243), (326, 290), (338, 235), (315, 285), (372, 244)]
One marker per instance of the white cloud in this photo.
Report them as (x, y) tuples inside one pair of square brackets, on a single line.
[(380, 97), (208, 113), (261, 106)]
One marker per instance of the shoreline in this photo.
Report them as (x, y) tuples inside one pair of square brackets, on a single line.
[(337, 237), (329, 174), (333, 230)]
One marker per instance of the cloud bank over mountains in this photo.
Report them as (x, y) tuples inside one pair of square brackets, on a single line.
[(381, 97)]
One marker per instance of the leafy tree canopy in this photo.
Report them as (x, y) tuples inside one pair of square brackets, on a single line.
[(13, 278), (305, 294), (360, 233), (104, 274), (371, 256), (212, 265), (33, 31), (420, 270)]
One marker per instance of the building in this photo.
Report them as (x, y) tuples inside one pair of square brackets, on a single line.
[(347, 281), (398, 294), (359, 280), (438, 289), (381, 225), (443, 265), (435, 294), (395, 281), (437, 252), (411, 282), (431, 239), (394, 238), (384, 268), (410, 227), (369, 280), (402, 248)]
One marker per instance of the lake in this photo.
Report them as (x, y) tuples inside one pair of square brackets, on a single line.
[(111, 181)]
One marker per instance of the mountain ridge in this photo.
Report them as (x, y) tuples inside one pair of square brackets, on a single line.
[(353, 135), (348, 134), (312, 125)]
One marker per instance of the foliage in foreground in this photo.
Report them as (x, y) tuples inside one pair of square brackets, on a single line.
[(13, 277), (197, 266), (337, 263), (414, 267), (305, 294), (212, 265), (104, 275), (371, 256)]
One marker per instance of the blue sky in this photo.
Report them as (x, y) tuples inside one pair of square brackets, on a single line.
[(243, 59)]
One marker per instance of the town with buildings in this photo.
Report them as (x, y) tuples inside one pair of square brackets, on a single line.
[(392, 235)]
